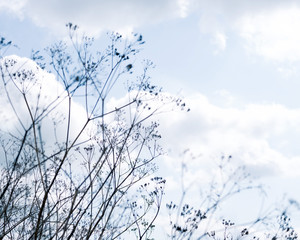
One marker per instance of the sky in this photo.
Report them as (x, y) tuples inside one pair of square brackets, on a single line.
[(236, 64)]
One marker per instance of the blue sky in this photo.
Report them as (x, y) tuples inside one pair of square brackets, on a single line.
[(236, 63)]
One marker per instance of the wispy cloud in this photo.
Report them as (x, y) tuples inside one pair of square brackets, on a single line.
[(270, 30), (96, 16)]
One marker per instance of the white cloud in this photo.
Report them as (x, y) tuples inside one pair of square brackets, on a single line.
[(219, 40), (257, 136), (274, 34), (253, 135), (225, 96), (184, 7), (13, 6), (41, 90), (288, 71), (270, 30), (95, 16)]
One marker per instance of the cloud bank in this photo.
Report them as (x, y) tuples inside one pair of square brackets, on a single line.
[(259, 136)]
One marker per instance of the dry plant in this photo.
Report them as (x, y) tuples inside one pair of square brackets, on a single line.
[(94, 178)]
